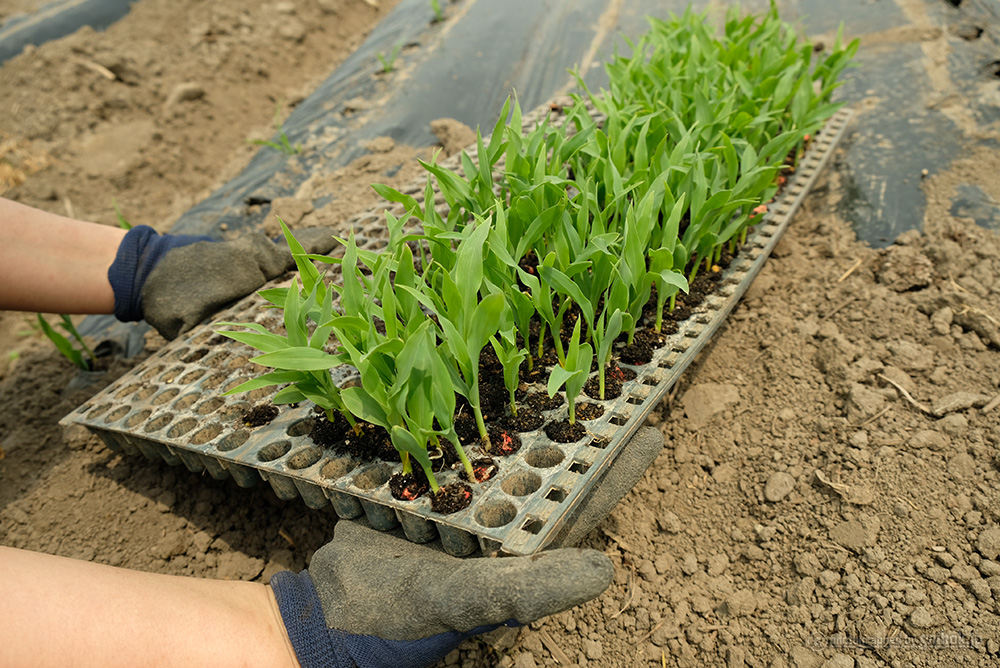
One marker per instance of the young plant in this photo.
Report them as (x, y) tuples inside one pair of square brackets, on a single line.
[(438, 12), (283, 144), (388, 61), (572, 375), (83, 358), (510, 357)]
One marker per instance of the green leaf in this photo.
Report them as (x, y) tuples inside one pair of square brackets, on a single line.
[(299, 358)]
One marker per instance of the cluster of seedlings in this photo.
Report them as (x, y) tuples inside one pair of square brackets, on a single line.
[(560, 251)]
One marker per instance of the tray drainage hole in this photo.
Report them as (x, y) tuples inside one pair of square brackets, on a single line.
[(233, 411), (233, 441), (337, 468), (493, 514), (374, 477), (556, 495), (213, 381), (521, 483), (666, 364), (159, 423), (273, 451), (98, 411), (182, 427), (260, 393), (544, 457), (692, 333), (191, 376), (533, 526), (146, 392), (579, 467), (651, 381), (210, 406), (233, 383), (599, 443), (634, 400), (187, 401), (194, 355), (305, 457), (117, 414), (164, 397), (217, 360), (154, 371), (301, 428), (203, 436), (127, 391), (238, 362), (620, 419), (138, 418)]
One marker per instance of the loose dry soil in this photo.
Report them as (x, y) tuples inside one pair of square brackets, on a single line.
[(828, 494)]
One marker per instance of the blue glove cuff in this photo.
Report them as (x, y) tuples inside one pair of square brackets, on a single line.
[(138, 254), (318, 646)]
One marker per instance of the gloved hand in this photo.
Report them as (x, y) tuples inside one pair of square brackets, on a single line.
[(175, 282), (372, 600)]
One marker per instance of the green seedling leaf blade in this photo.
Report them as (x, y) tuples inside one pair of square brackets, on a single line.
[(267, 380), (299, 358), (63, 345)]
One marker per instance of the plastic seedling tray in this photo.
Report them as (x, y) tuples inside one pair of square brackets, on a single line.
[(171, 408)]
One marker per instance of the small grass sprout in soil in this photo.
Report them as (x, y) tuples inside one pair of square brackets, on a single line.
[(592, 229)]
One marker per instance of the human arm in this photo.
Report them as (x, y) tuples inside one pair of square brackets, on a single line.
[(54, 264)]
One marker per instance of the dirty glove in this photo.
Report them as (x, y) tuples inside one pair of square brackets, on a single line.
[(372, 600), (175, 282)]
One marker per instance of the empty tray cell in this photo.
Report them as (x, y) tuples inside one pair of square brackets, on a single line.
[(214, 467), (165, 396), (521, 483), (210, 406), (234, 440), (494, 513), (206, 434), (158, 423), (544, 456)]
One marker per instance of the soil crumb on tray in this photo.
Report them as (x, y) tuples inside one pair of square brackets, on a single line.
[(451, 498), (259, 415)]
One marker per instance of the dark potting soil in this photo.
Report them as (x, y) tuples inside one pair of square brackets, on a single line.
[(614, 376), (259, 415), (451, 498), (465, 426), (484, 468), (528, 419), (564, 432), (588, 411), (409, 486), (636, 354), (326, 433), (368, 443), (541, 401), (650, 337), (503, 441)]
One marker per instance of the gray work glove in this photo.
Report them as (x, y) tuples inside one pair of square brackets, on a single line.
[(175, 282), (373, 600)]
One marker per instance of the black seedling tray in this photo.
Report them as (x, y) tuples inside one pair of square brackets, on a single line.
[(170, 407)]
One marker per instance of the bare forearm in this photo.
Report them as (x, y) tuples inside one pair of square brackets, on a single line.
[(60, 612), (54, 264)]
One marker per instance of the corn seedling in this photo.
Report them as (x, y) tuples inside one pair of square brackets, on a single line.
[(283, 144), (83, 357), (388, 62), (438, 12)]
